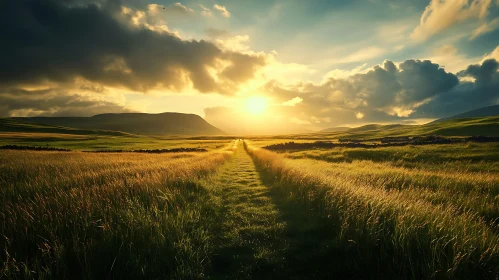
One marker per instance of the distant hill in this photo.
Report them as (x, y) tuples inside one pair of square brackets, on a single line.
[(488, 126), (334, 129), (135, 123), (481, 112), (11, 125)]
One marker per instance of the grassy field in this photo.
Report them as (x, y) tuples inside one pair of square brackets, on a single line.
[(239, 211), (119, 215), (13, 132), (386, 219), (96, 143)]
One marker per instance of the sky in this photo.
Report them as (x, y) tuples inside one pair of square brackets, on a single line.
[(254, 67)]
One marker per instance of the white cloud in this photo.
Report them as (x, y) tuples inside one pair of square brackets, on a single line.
[(206, 12), (485, 28), (151, 18), (222, 10), (292, 102), (171, 10), (440, 15), (362, 55), (238, 43), (182, 8), (343, 74), (359, 115)]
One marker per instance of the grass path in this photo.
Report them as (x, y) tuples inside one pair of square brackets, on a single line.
[(249, 240), (261, 235)]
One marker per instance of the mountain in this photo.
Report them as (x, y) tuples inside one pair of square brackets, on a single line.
[(135, 123), (335, 129), (481, 112)]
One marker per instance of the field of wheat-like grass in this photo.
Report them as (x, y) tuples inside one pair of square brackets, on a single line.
[(391, 220), (90, 215), (239, 211)]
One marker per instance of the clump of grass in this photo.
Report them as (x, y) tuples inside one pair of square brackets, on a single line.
[(387, 232), (105, 215)]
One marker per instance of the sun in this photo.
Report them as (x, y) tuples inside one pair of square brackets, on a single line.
[(256, 105)]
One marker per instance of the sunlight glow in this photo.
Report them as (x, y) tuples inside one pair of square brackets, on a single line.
[(256, 105)]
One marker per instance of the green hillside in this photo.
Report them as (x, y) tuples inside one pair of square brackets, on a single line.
[(487, 126), (13, 125), (489, 111)]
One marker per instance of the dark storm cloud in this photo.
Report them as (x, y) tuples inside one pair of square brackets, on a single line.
[(482, 73), (414, 89), (53, 102), (483, 91), (46, 40)]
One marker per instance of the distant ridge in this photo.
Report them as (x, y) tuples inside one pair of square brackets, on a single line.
[(478, 113), (135, 123), (334, 129)]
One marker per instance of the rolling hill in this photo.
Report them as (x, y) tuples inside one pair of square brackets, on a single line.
[(135, 123), (481, 112), (334, 129), (11, 125), (488, 126)]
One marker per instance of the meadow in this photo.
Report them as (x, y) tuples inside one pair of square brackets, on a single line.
[(89, 215), (406, 211), (239, 211)]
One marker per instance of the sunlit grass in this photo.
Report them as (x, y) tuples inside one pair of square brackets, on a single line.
[(96, 215), (400, 222), (399, 212)]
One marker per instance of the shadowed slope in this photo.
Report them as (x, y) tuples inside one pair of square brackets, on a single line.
[(481, 112), (136, 123)]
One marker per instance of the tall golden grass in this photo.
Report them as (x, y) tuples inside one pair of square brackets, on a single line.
[(84, 215), (388, 231)]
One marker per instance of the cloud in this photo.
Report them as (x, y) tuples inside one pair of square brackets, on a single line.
[(362, 55), (151, 18), (413, 89), (440, 15), (479, 91), (292, 102), (179, 8), (485, 28), (450, 58), (206, 12), (343, 74), (238, 43), (483, 73), (215, 33), (223, 11), (49, 42), (53, 102), (410, 91)]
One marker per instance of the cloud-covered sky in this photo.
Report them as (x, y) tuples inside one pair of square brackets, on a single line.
[(316, 64)]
